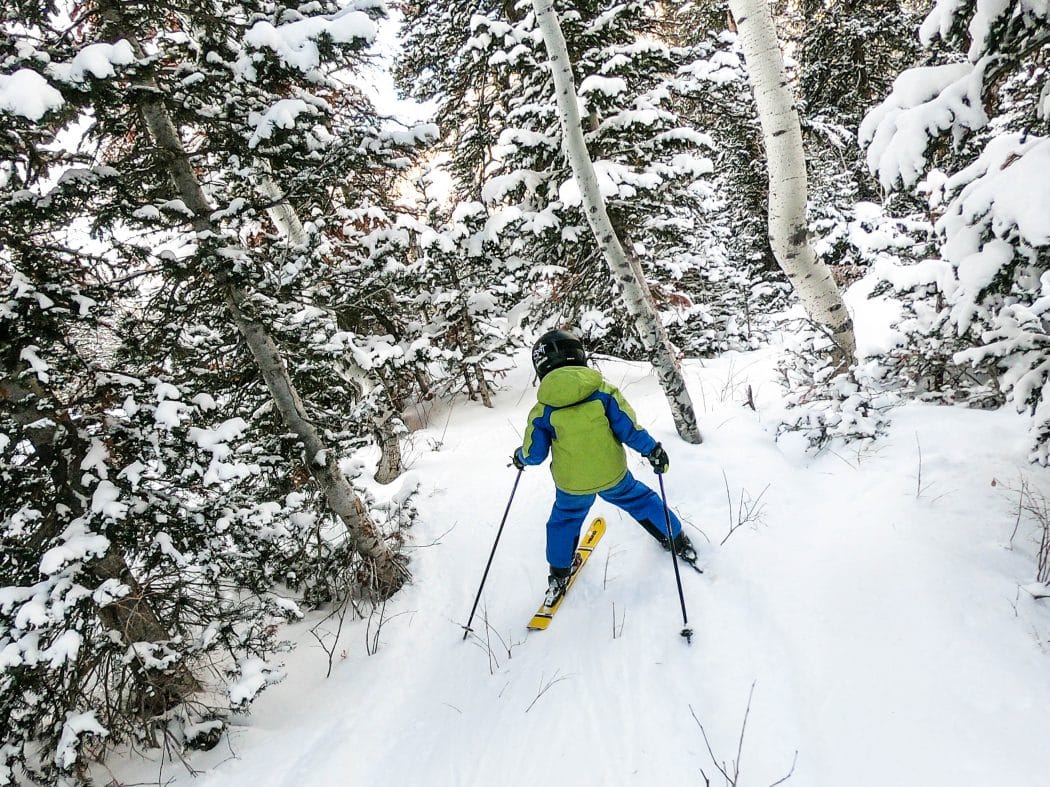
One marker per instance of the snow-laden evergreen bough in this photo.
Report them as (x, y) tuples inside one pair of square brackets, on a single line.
[(848, 55), (160, 512), (485, 66), (972, 134)]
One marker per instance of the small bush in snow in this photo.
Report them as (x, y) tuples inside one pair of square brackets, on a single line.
[(826, 402)]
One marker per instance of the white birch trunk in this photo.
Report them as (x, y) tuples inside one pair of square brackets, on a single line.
[(323, 462), (390, 572), (786, 162), (625, 267), (281, 212), (390, 464), (388, 425)]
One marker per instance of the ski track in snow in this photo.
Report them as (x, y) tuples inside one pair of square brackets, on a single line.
[(879, 622)]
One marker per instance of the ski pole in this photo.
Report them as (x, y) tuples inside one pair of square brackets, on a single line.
[(467, 628), (686, 631)]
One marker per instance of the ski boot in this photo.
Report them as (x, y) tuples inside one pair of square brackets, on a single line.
[(683, 547), (557, 583)]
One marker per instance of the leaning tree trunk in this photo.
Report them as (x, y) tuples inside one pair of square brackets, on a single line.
[(625, 267), (388, 426), (390, 572), (786, 162), (389, 568), (391, 465)]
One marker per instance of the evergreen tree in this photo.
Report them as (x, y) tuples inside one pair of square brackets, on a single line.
[(152, 267), (849, 53), (485, 65), (970, 132)]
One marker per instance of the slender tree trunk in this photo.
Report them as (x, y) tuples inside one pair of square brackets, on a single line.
[(323, 462), (390, 571), (390, 464), (281, 212), (483, 385), (470, 342), (387, 424), (788, 188), (625, 267)]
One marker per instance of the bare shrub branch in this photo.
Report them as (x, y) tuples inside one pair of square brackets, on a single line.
[(1033, 503), (545, 687), (731, 770), (747, 510)]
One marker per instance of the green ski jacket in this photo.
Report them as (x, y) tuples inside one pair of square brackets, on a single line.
[(583, 422)]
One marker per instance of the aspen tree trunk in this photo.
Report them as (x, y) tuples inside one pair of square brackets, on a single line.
[(390, 572), (281, 212), (390, 461), (387, 423), (323, 463), (786, 162), (625, 267), (388, 426)]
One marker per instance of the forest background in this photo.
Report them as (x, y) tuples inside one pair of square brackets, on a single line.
[(231, 286)]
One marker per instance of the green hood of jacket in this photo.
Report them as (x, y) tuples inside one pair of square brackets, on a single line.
[(568, 385), (586, 456)]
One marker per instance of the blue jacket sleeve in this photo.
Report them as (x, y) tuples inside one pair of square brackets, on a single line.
[(538, 434), (623, 423)]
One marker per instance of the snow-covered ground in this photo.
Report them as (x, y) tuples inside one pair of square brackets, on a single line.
[(873, 604)]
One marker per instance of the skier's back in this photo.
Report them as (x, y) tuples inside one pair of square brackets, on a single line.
[(584, 422)]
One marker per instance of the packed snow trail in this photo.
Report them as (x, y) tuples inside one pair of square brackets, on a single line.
[(877, 616)]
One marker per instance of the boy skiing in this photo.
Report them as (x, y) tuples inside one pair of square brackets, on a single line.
[(583, 421)]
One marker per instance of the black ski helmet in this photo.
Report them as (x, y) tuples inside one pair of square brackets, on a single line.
[(556, 349)]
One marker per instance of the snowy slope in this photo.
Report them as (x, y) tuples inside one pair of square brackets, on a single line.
[(880, 622)]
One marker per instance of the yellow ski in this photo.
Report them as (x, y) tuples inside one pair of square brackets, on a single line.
[(545, 614)]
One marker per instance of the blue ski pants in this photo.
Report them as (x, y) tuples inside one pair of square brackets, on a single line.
[(570, 511)]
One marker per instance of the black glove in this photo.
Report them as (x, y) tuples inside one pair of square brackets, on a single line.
[(658, 459), (516, 461)]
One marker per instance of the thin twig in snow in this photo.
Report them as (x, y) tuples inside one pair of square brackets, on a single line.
[(747, 510), (544, 687), (618, 631), (731, 771)]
